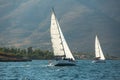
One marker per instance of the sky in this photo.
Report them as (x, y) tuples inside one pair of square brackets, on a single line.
[(25, 23)]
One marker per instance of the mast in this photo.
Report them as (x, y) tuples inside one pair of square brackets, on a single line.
[(59, 43)]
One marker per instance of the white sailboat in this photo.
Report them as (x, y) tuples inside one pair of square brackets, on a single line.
[(61, 50), (99, 56)]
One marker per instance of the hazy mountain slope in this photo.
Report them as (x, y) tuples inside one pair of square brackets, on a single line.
[(25, 23)]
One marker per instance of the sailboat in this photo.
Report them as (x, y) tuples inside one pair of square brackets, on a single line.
[(62, 53), (99, 56)]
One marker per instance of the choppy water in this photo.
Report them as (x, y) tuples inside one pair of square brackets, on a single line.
[(40, 70)]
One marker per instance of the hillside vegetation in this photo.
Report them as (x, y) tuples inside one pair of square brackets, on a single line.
[(42, 54)]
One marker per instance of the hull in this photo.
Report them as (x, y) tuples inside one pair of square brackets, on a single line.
[(98, 61), (64, 63)]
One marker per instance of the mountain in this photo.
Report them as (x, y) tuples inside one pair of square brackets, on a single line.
[(25, 23)]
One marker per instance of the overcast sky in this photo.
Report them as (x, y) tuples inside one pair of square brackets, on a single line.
[(25, 23)]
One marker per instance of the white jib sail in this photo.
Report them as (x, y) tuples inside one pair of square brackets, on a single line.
[(59, 44), (98, 50)]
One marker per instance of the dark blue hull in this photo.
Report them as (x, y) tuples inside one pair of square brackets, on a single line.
[(65, 63)]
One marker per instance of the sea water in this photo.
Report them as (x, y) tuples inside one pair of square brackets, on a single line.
[(41, 70)]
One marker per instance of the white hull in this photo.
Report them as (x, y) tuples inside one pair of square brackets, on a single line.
[(98, 61)]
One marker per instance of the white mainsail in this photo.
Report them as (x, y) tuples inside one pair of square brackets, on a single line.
[(98, 50), (59, 44)]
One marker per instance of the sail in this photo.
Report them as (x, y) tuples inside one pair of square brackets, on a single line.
[(55, 37), (59, 44), (66, 48), (98, 50)]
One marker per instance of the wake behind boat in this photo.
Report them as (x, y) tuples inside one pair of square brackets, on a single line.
[(99, 56), (62, 53)]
